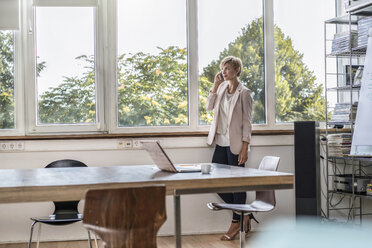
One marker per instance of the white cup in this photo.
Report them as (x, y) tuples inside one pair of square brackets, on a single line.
[(206, 168)]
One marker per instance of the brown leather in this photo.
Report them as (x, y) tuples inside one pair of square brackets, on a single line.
[(127, 217)]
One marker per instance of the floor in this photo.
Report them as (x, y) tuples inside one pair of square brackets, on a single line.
[(189, 241)]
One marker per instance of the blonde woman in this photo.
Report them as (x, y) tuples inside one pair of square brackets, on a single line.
[(231, 128)]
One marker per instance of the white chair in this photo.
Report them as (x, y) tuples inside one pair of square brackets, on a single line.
[(264, 202)]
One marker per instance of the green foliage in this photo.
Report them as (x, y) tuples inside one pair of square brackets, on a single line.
[(73, 101), (298, 97), (249, 48), (6, 80), (152, 89)]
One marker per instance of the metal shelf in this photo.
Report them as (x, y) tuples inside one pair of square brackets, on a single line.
[(356, 52), (343, 20), (348, 157), (364, 196), (332, 123), (347, 54), (354, 87), (355, 13)]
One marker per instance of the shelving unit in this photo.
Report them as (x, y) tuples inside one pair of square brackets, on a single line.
[(337, 166)]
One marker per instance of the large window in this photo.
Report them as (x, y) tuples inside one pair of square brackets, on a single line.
[(299, 58), (234, 28), (7, 119), (152, 63), (146, 66), (65, 61)]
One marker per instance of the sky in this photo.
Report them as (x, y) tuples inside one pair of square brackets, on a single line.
[(62, 34), (143, 25)]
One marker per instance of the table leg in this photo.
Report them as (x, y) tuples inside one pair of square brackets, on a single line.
[(177, 219)]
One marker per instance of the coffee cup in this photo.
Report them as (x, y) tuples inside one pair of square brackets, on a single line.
[(206, 168)]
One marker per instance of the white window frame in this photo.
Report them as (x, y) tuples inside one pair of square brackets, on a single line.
[(10, 21), (270, 97), (106, 89), (30, 80), (193, 83), (18, 89)]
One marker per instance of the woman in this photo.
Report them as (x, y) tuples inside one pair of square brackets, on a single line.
[(231, 128)]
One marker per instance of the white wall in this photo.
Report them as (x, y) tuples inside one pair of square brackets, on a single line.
[(196, 217)]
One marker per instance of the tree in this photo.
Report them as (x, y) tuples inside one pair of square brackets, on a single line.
[(152, 89), (298, 97), (73, 101), (249, 48), (6, 80)]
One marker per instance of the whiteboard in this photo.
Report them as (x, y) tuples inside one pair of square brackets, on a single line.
[(362, 138)]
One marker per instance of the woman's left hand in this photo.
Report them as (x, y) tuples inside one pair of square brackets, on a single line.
[(243, 156)]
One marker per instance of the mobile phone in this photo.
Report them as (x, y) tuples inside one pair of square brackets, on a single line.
[(220, 76)]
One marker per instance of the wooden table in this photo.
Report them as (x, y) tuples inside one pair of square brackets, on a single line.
[(64, 184)]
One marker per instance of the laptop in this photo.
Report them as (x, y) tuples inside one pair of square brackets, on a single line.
[(162, 160)]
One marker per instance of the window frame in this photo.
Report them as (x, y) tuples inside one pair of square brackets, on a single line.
[(18, 89), (105, 56), (30, 85)]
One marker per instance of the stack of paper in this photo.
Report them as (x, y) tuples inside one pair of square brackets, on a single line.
[(343, 112), (339, 144), (363, 25), (341, 42)]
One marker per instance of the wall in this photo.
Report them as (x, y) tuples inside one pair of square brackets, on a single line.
[(196, 217)]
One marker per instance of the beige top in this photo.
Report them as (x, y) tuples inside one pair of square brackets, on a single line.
[(222, 135)]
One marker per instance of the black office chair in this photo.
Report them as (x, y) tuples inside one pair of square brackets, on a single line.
[(65, 213), (264, 202)]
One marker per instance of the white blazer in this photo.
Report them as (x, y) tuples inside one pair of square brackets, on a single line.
[(239, 117)]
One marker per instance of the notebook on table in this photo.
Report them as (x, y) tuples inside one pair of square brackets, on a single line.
[(162, 160)]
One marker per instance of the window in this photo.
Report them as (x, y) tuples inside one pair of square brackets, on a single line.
[(152, 86), (299, 58), (233, 28), (65, 68), (7, 113), (147, 66)]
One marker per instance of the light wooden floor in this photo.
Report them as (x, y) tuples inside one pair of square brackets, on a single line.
[(189, 241)]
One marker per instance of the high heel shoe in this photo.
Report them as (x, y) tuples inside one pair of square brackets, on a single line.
[(232, 232), (247, 222)]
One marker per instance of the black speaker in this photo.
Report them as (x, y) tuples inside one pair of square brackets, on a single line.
[(307, 171)]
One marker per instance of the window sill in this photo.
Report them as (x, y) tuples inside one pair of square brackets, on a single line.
[(134, 135)]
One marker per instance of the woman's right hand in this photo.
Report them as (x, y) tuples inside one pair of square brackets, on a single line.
[(218, 79)]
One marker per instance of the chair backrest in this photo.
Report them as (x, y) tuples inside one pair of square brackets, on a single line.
[(69, 208), (126, 217), (269, 163), (65, 163)]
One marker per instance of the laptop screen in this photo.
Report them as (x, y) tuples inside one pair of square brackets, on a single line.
[(158, 155)]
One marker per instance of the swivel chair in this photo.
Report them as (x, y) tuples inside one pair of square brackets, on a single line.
[(264, 202), (126, 217), (65, 212)]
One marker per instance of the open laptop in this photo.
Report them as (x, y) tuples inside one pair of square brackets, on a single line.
[(162, 160)]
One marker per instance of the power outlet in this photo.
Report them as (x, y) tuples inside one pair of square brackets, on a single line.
[(4, 146), (124, 144), (137, 143), (12, 146)]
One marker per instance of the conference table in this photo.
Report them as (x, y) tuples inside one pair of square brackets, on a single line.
[(65, 184)]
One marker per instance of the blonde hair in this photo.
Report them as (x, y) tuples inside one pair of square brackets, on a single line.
[(234, 61)]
